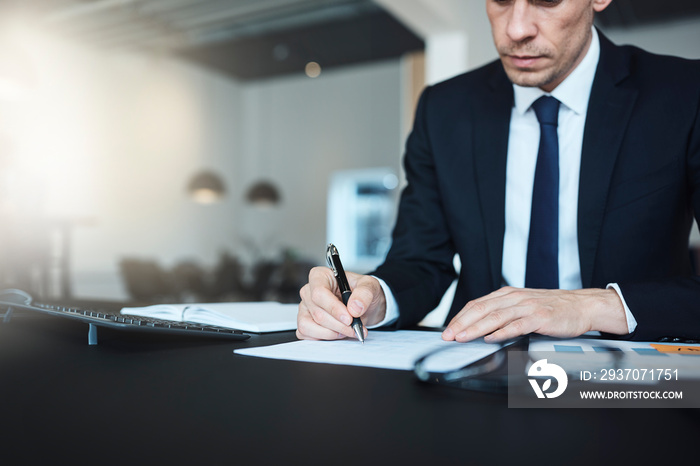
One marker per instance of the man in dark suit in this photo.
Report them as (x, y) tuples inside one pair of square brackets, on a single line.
[(569, 170)]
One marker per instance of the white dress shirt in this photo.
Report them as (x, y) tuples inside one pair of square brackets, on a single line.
[(523, 145)]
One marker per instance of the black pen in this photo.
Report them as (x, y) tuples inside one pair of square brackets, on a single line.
[(333, 259)]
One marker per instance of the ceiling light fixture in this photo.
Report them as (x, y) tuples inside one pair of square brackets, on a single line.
[(313, 69), (206, 187), (263, 194)]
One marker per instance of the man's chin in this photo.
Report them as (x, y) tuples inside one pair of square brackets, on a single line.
[(528, 78)]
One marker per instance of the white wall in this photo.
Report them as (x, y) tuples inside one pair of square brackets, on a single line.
[(298, 130), (680, 38), (115, 138), (162, 122), (293, 131)]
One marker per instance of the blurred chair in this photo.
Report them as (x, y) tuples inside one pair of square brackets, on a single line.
[(228, 283), (192, 283), (146, 281), (262, 286), (266, 280), (292, 274)]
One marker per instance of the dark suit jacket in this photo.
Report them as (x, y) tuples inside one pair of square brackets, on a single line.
[(639, 187)]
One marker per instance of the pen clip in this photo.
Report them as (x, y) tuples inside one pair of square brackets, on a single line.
[(331, 250)]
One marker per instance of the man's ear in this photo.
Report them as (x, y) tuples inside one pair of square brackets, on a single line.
[(600, 5)]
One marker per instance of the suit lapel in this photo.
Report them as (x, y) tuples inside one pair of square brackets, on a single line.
[(609, 110), (492, 121)]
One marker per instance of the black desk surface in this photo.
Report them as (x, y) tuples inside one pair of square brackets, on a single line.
[(133, 399)]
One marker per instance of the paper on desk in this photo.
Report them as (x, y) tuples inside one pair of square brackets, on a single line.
[(387, 350)]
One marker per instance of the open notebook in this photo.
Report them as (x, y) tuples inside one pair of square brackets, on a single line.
[(259, 317)]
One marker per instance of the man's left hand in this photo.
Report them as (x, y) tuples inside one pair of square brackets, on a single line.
[(510, 312)]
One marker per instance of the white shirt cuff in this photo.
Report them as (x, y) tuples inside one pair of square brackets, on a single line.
[(631, 321), (392, 307)]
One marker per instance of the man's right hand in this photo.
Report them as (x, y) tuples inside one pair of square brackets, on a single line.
[(322, 314)]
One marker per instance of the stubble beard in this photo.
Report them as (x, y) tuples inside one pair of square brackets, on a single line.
[(525, 77), (541, 78)]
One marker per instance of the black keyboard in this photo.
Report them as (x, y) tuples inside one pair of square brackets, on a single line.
[(11, 300)]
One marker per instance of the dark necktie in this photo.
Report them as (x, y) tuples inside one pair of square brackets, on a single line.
[(543, 243)]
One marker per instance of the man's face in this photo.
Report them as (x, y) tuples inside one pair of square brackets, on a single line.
[(541, 41)]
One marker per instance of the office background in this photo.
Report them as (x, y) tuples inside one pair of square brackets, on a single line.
[(110, 109)]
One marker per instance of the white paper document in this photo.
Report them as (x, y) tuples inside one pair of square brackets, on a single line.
[(387, 350)]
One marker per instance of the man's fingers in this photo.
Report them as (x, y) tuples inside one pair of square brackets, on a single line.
[(517, 327), (509, 313), (325, 303), (362, 296), (309, 329), (490, 323), (322, 314), (322, 277), (326, 318), (321, 303), (322, 293), (367, 299), (473, 312), (497, 308)]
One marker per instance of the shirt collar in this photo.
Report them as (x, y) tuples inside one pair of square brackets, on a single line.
[(573, 92)]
